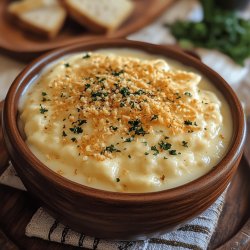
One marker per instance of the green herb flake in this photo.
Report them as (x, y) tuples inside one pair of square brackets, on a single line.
[(95, 95), (185, 144), (130, 139), (173, 152), (188, 94), (177, 96), (76, 130), (81, 122), (139, 92), (67, 65), (165, 145), (64, 134), (156, 151), (86, 56), (132, 104), (73, 139), (129, 156), (87, 86), (117, 73), (188, 123), (136, 126), (146, 153), (117, 179), (44, 93), (111, 149), (124, 91), (43, 110), (113, 128)]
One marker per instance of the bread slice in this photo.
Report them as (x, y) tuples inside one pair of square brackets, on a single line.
[(44, 17), (99, 15)]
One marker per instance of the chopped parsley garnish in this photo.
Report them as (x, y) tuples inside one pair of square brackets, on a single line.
[(195, 124), (81, 122), (111, 149), (177, 96), (87, 86), (117, 179), (136, 127), (76, 130), (139, 92), (67, 65), (130, 139), (132, 104), (165, 145), (96, 94), (100, 80), (187, 122), (124, 91), (173, 152), (146, 153), (117, 73), (64, 134), (44, 93), (73, 139), (129, 156), (188, 94), (154, 117), (185, 144), (113, 128), (122, 104), (156, 151), (42, 109), (86, 56)]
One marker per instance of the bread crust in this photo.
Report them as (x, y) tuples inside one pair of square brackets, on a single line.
[(16, 16), (91, 24)]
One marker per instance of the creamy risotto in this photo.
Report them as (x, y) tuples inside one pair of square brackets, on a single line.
[(125, 121)]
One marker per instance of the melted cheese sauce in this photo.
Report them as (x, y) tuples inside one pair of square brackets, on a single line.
[(125, 121)]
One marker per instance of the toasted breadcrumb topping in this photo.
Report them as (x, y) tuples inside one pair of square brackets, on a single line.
[(124, 96)]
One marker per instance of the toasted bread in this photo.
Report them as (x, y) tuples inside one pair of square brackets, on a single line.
[(44, 17), (99, 15)]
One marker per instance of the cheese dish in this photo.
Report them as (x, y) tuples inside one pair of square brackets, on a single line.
[(125, 121)]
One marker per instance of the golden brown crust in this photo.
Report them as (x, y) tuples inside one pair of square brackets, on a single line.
[(88, 22)]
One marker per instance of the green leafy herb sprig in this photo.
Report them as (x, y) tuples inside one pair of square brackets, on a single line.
[(220, 29)]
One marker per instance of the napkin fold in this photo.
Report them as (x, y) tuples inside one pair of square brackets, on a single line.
[(195, 234)]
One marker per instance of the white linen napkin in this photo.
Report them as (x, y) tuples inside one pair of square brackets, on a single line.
[(196, 234)]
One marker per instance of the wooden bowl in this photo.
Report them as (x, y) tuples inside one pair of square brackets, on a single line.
[(115, 215)]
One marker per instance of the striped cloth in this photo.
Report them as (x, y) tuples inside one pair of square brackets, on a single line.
[(193, 235)]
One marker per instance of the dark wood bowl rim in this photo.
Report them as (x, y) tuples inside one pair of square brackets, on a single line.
[(19, 146)]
